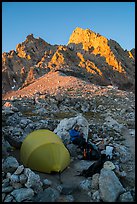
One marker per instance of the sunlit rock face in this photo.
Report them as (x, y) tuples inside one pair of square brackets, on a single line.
[(88, 55), (110, 60), (19, 67)]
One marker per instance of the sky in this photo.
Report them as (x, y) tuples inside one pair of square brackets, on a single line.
[(54, 22)]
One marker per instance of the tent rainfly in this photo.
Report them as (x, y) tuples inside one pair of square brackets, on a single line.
[(42, 150)]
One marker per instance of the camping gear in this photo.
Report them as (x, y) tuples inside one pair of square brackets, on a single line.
[(91, 152), (109, 150), (42, 150), (80, 142), (95, 167)]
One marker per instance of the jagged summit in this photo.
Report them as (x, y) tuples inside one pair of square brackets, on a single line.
[(88, 55), (87, 38), (87, 30), (31, 46), (96, 44)]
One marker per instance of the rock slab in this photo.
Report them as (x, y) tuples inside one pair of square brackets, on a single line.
[(109, 186)]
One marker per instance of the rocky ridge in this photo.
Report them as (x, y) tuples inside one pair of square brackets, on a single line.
[(88, 56)]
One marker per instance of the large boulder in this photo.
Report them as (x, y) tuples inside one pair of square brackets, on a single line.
[(33, 180), (95, 182), (85, 184), (81, 165), (5, 147), (72, 150), (112, 123), (109, 186), (65, 125), (126, 197), (68, 189), (10, 164), (13, 135), (48, 195), (22, 194)]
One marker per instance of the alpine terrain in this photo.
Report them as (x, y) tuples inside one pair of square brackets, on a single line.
[(89, 82)]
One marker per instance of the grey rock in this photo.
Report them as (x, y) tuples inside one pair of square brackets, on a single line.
[(22, 194), (109, 186), (109, 165), (14, 178), (16, 201), (5, 182), (7, 189), (85, 184), (47, 183), (6, 147), (64, 108), (65, 198), (132, 132), (3, 174), (65, 125), (8, 175), (8, 198), (110, 122), (10, 164), (17, 185), (124, 154), (29, 128), (96, 196), (13, 120), (18, 132), (42, 124), (95, 182), (85, 107), (41, 111), (23, 179), (72, 150), (15, 109), (3, 196), (68, 189), (13, 136), (7, 111), (126, 197), (24, 122), (33, 180), (19, 170), (59, 188), (48, 195), (80, 157), (69, 198), (82, 164)]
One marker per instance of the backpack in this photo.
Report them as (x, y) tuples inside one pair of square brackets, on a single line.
[(91, 152)]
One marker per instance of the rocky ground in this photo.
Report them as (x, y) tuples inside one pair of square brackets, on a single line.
[(107, 116)]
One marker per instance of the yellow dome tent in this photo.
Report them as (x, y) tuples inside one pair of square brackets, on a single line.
[(43, 150)]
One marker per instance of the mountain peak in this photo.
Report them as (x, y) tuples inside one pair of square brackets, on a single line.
[(88, 55), (79, 29), (30, 37), (86, 37)]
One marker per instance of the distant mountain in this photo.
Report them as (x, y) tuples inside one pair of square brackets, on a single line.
[(88, 56)]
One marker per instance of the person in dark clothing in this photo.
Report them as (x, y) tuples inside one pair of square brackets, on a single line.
[(95, 167), (76, 137)]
